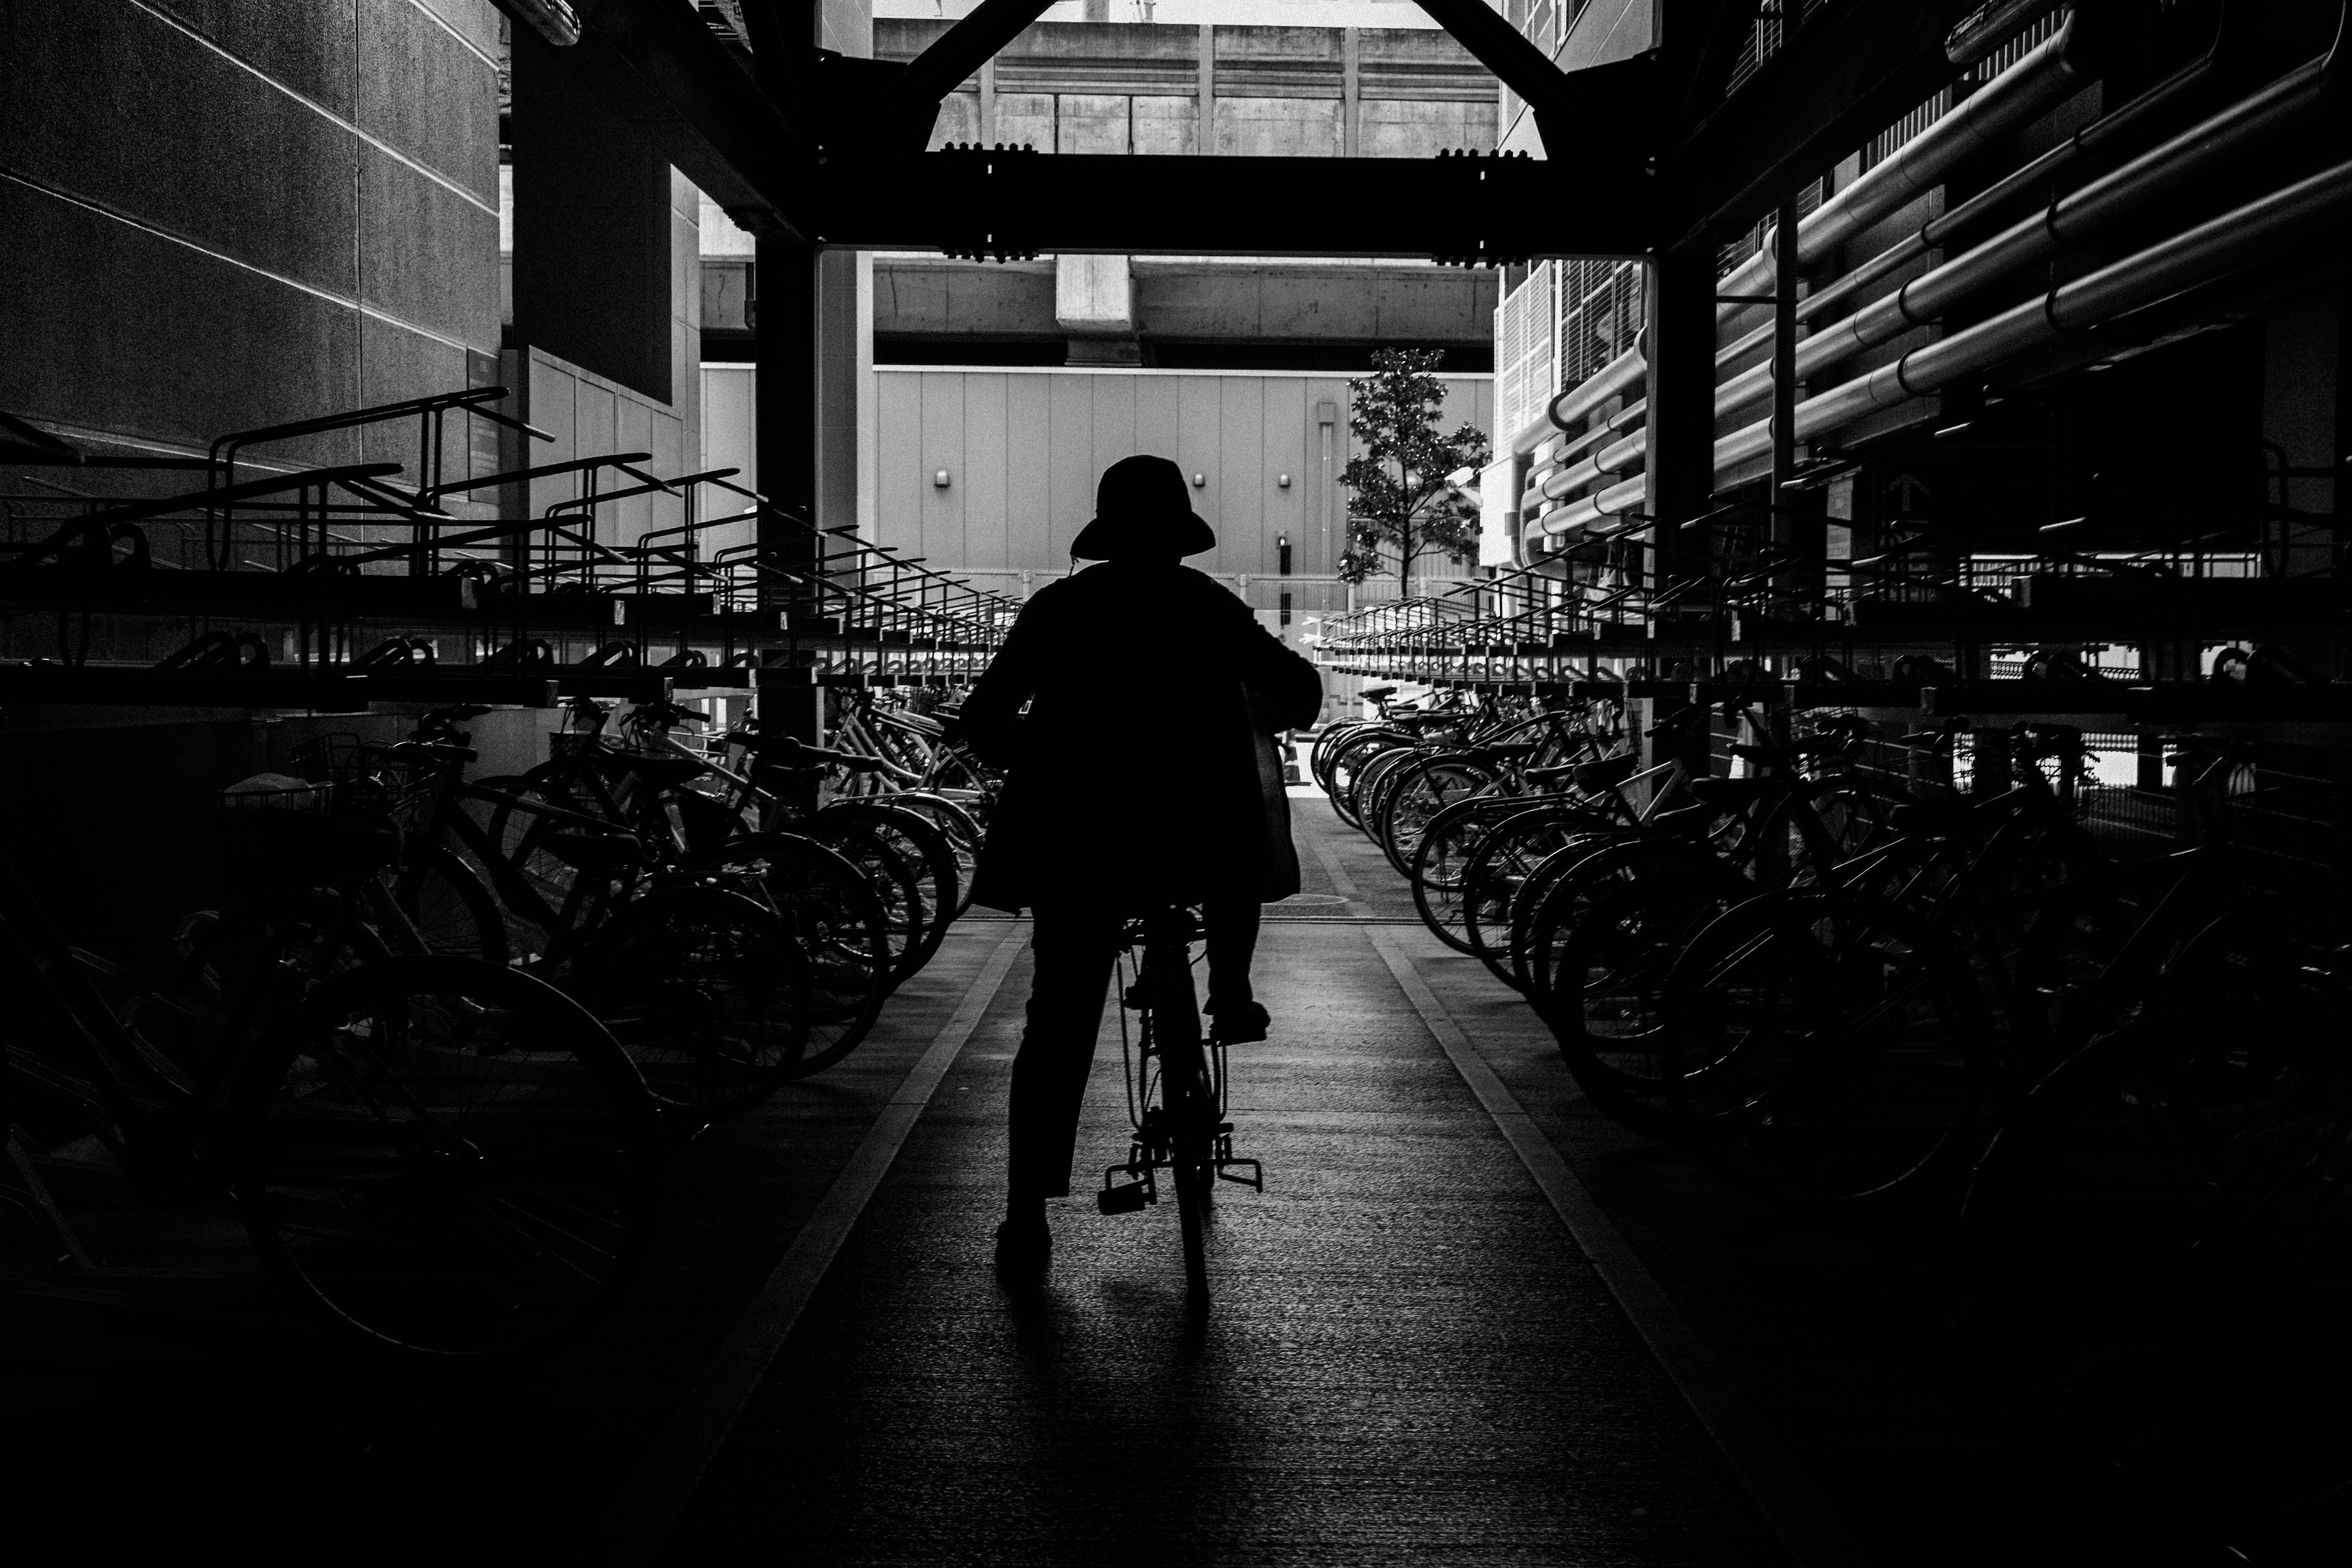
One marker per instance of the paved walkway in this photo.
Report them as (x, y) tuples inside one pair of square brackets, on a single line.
[(1409, 1359)]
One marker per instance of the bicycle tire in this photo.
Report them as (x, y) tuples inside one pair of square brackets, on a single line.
[(925, 850), (1825, 1045), (451, 908), (838, 923), (1189, 1102), (1445, 847), (445, 1157), (960, 829), (1364, 787), (888, 871), (1611, 936), (1499, 866), (1426, 788), (706, 992), (1355, 750)]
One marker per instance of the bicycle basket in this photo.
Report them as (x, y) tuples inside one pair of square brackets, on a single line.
[(277, 831), (330, 759)]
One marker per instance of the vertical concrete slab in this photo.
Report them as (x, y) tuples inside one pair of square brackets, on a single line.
[(1239, 480), (1114, 425), (1069, 460), (899, 513), (986, 459), (1159, 414), (1200, 431), (943, 537), (1028, 480)]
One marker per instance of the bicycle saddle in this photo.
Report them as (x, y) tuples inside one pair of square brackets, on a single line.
[(1729, 795), (1691, 820), (1606, 773), (663, 771), (1375, 693)]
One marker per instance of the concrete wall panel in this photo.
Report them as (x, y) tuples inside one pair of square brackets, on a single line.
[(959, 120), (1091, 122), (1281, 126), (1028, 473), (107, 329), (1025, 120), (987, 457), (1390, 127), (1168, 126), (942, 448), (224, 219), (1070, 461), (899, 513)]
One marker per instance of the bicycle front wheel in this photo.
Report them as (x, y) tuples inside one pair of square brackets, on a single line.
[(445, 1156)]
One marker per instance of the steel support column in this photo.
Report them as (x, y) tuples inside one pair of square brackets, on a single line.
[(1681, 462), (784, 35)]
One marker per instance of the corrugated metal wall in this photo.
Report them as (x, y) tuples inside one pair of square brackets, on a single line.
[(1023, 448), (1022, 451)]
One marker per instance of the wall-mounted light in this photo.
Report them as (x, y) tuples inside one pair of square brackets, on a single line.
[(1283, 481), (939, 479), (1199, 480)]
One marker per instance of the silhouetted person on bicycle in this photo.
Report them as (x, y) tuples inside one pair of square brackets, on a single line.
[(1143, 773)]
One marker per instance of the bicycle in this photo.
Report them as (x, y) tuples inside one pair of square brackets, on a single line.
[(434, 1154), (1177, 1093), (714, 994)]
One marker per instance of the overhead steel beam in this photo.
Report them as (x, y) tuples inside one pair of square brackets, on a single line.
[(963, 48), (1846, 75), (658, 66), (1483, 209)]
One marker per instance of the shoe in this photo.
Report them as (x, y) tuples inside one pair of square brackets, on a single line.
[(1023, 1246), (1237, 1022)]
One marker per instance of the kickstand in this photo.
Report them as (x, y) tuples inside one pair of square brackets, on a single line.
[(34, 1198)]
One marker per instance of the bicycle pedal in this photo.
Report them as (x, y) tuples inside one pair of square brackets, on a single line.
[(1130, 1198)]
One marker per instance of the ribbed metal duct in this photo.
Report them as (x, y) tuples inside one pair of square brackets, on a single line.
[(2043, 78), (2294, 100), (2211, 249), (2054, 72), (2301, 98)]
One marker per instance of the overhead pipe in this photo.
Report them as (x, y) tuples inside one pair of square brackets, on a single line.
[(2065, 63), (2291, 101), (2144, 114), (2303, 95), (2045, 78), (2235, 240)]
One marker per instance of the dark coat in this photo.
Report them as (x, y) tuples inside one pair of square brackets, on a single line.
[(1144, 769)]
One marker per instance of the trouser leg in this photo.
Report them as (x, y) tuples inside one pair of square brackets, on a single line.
[(1230, 928), (1075, 949)]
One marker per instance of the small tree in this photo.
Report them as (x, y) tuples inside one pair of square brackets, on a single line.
[(1396, 483)]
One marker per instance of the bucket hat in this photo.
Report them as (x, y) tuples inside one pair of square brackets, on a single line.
[(1142, 507)]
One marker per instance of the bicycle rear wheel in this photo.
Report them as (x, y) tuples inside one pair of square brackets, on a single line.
[(444, 1156), (452, 910), (924, 850), (706, 991), (838, 923), (1188, 1098)]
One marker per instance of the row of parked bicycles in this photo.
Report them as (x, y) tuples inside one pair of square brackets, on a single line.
[(1842, 984), (437, 1046)]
